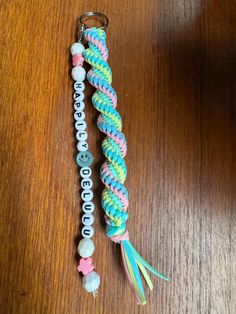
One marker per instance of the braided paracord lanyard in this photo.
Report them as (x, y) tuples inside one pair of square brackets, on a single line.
[(113, 171)]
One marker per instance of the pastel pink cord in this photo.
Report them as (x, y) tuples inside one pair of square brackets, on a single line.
[(113, 171)]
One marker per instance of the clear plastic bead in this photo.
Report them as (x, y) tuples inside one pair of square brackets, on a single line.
[(76, 48), (86, 248), (91, 282)]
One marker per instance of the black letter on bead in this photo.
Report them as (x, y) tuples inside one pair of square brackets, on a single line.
[(87, 232), (88, 207), (85, 183), (78, 104), (78, 85), (85, 172), (85, 145)]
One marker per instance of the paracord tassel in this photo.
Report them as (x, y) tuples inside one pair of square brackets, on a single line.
[(113, 171)]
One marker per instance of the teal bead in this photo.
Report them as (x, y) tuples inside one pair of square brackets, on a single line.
[(84, 159)]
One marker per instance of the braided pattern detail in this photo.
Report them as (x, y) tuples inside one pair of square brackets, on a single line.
[(113, 171)]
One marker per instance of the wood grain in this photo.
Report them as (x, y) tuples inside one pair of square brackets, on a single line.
[(174, 71)]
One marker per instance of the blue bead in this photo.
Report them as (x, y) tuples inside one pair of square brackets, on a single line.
[(84, 159)]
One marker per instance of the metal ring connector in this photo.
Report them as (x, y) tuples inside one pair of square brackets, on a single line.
[(102, 17)]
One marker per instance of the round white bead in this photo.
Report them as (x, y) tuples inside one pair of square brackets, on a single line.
[(80, 125), (91, 282), (88, 207), (87, 232), (79, 105), (86, 248), (78, 73), (87, 219), (79, 115), (79, 86), (81, 135), (76, 48), (87, 195), (85, 172), (82, 146), (86, 183)]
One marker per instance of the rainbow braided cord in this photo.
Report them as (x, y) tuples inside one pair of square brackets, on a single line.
[(113, 171)]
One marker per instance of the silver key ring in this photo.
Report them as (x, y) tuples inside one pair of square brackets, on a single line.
[(89, 15), (100, 16)]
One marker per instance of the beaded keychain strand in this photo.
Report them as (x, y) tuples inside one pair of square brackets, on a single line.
[(84, 159), (113, 171)]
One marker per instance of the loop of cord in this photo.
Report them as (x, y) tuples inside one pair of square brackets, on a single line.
[(113, 171)]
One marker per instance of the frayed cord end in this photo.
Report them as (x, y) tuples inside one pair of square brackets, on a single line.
[(133, 265)]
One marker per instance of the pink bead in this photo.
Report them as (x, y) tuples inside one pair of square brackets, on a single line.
[(77, 60), (86, 265)]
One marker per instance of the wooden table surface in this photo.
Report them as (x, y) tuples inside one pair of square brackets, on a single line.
[(174, 71)]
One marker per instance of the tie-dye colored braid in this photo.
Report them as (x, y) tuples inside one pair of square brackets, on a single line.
[(113, 171)]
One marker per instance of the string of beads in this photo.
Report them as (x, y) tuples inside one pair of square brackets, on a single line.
[(84, 159)]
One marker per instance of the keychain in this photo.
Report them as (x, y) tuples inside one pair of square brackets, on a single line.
[(113, 171)]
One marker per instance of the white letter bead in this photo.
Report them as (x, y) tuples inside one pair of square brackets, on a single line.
[(85, 172), (88, 207), (87, 219), (86, 183), (80, 125), (78, 73), (91, 282), (79, 86), (81, 135), (86, 248), (78, 96), (87, 195), (79, 105), (82, 146), (79, 115), (76, 48), (87, 232)]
